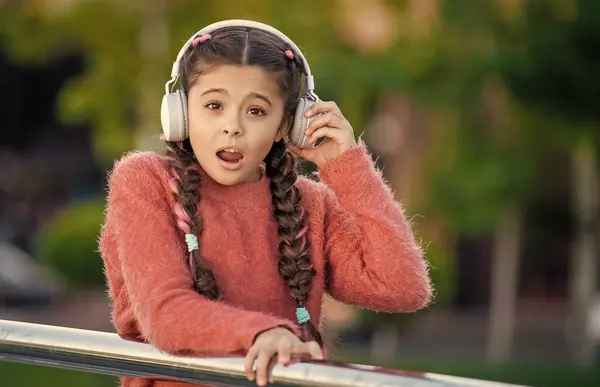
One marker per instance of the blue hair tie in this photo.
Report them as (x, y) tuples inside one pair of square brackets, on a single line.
[(302, 315), (192, 242)]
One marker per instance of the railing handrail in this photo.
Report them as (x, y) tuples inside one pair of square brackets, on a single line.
[(106, 353)]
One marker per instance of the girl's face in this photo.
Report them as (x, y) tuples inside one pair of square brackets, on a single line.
[(235, 115)]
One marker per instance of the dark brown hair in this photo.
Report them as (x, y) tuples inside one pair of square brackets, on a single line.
[(247, 46)]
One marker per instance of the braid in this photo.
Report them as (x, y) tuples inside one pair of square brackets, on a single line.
[(295, 264), (184, 183)]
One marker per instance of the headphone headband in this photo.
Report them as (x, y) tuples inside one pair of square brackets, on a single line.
[(243, 23), (173, 111)]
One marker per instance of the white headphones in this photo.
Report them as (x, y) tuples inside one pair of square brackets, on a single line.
[(173, 111)]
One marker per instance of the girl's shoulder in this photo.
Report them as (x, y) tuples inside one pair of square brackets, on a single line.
[(314, 193), (139, 168)]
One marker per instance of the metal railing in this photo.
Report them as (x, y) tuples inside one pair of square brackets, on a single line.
[(106, 353)]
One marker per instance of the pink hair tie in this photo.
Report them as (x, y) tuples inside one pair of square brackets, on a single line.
[(201, 39), (289, 54)]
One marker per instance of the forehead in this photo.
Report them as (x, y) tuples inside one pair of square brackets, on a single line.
[(238, 79)]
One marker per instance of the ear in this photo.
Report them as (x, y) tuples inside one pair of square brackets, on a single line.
[(284, 129)]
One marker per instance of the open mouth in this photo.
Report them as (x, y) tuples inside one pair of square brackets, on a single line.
[(230, 157)]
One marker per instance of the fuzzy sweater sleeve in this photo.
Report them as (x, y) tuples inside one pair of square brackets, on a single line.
[(373, 259), (151, 255)]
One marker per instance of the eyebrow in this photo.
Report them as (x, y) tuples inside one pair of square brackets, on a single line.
[(263, 97), (213, 90), (251, 95)]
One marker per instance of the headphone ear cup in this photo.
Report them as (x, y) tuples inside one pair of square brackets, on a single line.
[(297, 133), (173, 116)]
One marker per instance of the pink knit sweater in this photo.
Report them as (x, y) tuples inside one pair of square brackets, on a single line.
[(362, 248)]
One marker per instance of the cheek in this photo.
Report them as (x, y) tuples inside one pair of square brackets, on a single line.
[(262, 142), (194, 119), (199, 140), (199, 128), (201, 144), (263, 150)]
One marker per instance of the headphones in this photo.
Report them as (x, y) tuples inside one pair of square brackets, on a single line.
[(173, 111)]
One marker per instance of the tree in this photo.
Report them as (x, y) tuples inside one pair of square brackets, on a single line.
[(484, 162), (552, 66)]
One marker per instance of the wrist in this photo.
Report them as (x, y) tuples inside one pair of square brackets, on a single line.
[(347, 146), (342, 152), (269, 330)]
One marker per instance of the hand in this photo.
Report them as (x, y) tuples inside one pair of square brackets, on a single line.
[(333, 127), (277, 345)]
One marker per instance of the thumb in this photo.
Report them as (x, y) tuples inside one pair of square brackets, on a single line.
[(315, 350), (295, 149), (306, 153), (310, 349)]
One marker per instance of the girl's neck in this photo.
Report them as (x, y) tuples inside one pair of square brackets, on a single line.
[(251, 194)]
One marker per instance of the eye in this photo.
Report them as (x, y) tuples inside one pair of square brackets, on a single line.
[(256, 111), (213, 106)]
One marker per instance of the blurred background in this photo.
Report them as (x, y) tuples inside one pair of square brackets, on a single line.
[(483, 114)]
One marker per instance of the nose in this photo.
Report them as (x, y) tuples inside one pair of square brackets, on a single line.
[(232, 130)]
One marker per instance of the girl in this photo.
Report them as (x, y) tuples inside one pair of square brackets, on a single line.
[(219, 248)]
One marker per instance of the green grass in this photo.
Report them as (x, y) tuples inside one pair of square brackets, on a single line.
[(23, 375)]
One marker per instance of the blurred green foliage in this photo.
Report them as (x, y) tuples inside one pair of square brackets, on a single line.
[(68, 244), (551, 61)]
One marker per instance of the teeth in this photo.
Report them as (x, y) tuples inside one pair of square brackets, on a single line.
[(230, 150)]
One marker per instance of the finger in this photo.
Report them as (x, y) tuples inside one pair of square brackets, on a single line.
[(325, 120), (284, 351), (324, 107), (249, 363), (262, 366), (332, 133), (310, 154), (272, 365)]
